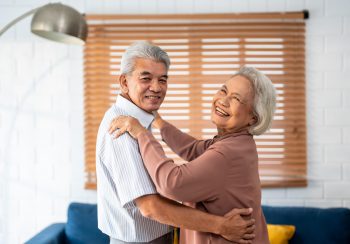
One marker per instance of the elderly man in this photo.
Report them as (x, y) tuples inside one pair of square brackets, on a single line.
[(129, 208)]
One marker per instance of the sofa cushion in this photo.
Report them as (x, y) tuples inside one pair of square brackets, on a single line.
[(313, 225), (280, 234), (81, 225)]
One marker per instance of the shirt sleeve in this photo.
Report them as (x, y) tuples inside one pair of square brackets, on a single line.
[(127, 169), (194, 181), (184, 145)]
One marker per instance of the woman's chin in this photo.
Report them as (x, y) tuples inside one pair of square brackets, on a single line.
[(216, 119), (217, 123)]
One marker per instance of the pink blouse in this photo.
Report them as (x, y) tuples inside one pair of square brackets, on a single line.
[(221, 174)]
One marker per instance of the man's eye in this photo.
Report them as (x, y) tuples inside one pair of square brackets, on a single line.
[(145, 78), (163, 81), (223, 91)]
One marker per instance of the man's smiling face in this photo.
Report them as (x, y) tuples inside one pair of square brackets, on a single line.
[(146, 86)]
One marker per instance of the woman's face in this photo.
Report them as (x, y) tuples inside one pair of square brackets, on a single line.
[(232, 107)]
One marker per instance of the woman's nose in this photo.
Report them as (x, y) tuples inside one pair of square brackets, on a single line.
[(224, 102)]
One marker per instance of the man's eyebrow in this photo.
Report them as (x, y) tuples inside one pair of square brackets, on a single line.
[(149, 73), (145, 73)]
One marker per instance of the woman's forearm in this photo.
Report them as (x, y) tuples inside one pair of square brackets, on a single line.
[(184, 145)]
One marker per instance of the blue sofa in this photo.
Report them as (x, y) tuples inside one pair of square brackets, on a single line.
[(313, 225)]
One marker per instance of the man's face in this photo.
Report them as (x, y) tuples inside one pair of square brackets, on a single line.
[(146, 86)]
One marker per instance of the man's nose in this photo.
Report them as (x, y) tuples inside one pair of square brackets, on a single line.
[(155, 87)]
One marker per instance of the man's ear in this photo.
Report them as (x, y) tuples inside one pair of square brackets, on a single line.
[(123, 84)]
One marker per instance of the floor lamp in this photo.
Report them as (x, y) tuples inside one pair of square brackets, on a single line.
[(56, 22)]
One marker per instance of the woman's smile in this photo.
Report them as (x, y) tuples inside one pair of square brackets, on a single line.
[(221, 112)]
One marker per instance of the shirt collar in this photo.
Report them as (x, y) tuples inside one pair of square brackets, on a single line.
[(134, 111)]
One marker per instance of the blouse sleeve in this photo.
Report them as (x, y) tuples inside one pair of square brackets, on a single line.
[(184, 145), (194, 181)]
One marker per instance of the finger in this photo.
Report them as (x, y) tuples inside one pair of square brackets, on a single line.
[(119, 132), (244, 211), (248, 236), (117, 123), (250, 222), (111, 129), (113, 126), (231, 213), (241, 241), (240, 211), (250, 229)]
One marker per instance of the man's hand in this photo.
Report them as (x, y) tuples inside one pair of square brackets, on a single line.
[(238, 226)]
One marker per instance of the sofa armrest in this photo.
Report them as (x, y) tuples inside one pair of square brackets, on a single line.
[(53, 234)]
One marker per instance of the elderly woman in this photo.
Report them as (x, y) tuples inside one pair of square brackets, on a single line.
[(221, 173)]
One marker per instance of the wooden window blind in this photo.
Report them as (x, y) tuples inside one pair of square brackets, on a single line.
[(205, 50)]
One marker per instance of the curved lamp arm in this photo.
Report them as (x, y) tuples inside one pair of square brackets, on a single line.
[(13, 22), (56, 22)]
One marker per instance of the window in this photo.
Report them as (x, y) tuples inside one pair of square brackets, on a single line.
[(205, 50)]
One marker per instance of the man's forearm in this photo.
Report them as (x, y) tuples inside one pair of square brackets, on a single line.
[(175, 214)]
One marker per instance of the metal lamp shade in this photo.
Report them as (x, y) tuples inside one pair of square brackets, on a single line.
[(60, 23)]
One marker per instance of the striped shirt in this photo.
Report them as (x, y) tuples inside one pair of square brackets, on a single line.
[(121, 178)]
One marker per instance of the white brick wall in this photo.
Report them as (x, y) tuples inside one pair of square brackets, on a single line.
[(338, 81), (41, 110), (337, 154), (346, 135), (338, 116), (325, 172)]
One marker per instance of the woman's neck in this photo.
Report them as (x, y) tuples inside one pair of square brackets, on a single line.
[(223, 131)]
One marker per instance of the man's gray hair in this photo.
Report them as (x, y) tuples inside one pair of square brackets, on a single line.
[(264, 99), (142, 49)]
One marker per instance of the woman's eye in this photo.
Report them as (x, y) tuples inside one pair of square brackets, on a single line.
[(237, 98)]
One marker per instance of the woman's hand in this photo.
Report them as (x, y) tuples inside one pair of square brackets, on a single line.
[(126, 124), (158, 122)]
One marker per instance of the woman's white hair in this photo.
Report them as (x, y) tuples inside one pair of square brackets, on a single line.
[(142, 49), (264, 99)]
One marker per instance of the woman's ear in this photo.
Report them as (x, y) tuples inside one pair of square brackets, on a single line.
[(123, 84), (253, 120)]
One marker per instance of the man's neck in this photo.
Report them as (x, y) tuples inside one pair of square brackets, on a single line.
[(126, 96)]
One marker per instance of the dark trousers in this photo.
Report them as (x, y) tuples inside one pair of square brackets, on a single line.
[(166, 239)]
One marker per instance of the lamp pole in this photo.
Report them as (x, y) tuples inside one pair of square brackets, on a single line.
[(13, 22)]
